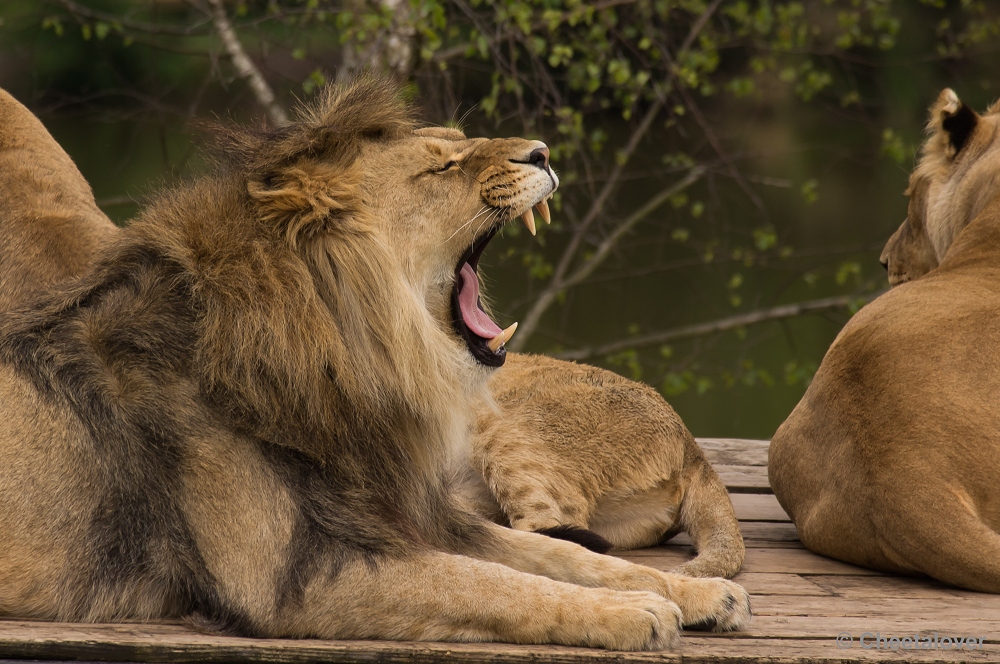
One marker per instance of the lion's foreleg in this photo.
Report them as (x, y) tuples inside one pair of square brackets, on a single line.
[(710, 603), (445, 597)]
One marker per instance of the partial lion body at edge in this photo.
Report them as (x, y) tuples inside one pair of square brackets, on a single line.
[(891, 459)]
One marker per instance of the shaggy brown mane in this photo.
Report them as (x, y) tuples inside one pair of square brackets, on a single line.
[(275, 243), (300, 254)]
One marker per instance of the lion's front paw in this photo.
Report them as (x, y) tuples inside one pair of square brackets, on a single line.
[(717, 605), (638, 621)]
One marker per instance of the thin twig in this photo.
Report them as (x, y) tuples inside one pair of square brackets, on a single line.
[(715, 327), (608, 243), (79, 10), (244, 65), (557, 283)]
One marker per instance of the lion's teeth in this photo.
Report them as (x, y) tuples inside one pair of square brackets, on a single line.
[(543, 209), (529, 220), (499, 340)]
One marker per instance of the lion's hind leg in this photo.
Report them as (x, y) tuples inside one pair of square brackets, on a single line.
[(935, 529), (437, 596), (536, 493)]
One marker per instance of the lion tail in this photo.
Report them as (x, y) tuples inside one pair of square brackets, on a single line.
[(708, 517)]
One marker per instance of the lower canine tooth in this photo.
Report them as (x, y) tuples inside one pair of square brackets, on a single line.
[(543, 209), (497, 342), (529, 220)]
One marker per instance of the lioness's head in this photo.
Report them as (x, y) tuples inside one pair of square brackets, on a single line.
[(958, 174)]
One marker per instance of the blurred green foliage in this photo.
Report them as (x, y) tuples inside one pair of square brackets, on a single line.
[(717, 157)]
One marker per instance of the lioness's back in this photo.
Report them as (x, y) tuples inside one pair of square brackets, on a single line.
[(50, 226)]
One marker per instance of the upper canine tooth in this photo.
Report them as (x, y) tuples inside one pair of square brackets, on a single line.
[(529, 220), (499, 340), (543, 209)]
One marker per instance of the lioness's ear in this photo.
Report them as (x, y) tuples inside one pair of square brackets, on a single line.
[(952, 122)]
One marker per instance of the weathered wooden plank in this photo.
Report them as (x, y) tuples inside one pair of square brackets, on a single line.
[(798, 561), (758, 507), (859, 587), (768, 560), (971, 608), (734, 451), (769, 583), (744, 479), (766, 534), (169, 643), (769, 533), (805, 626), (810, 651)]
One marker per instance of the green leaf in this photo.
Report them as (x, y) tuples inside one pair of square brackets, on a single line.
[(810, 190)]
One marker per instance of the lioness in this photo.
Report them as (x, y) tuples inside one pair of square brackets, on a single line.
[(571, 451), (50, 226), (249, 411), (891, 459)]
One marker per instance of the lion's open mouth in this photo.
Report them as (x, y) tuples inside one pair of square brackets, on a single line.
[(482, 335)]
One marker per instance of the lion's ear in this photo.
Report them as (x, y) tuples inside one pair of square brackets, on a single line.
[(308, 197), (446, 133), (952, 122)]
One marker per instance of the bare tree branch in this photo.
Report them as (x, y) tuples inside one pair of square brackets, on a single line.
[(244, 65), (559, 280), (78, 10), (714, 327), (608, 243)]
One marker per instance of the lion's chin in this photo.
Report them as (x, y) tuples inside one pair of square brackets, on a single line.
[(482, 336)]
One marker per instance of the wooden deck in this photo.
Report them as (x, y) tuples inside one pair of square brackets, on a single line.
[(801, 602)]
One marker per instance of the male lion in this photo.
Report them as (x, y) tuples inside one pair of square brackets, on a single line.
[(891, 459), (50, 226), (249, 411), (571, 451)]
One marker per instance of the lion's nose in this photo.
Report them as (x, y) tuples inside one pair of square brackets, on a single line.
[(885, 264), (539, 157)]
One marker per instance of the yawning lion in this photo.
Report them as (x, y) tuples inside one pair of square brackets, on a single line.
[(249, 410), (572, 451)]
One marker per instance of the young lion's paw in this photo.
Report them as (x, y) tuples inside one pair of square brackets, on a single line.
[(638, 621), (715, 605)]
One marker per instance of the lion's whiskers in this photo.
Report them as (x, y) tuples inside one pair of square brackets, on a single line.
[(466, 224)]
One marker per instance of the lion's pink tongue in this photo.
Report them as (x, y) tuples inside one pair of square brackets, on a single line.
[(475, 318)]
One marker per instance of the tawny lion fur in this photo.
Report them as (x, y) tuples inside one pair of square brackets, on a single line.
[(50, 227), (572, 451), (576, 446), (891, 459), (252, 411)]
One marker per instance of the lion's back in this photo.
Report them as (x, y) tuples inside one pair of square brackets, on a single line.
[(917, 366)]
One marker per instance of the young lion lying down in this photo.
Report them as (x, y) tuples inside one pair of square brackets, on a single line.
[(248, 411)]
